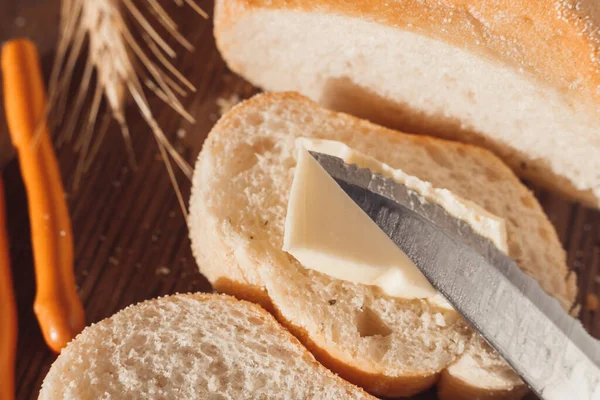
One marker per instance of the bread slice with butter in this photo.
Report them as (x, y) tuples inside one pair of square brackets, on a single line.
[(194, 346), (390, 346)]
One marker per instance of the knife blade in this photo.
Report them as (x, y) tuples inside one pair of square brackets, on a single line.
[(549, 349)]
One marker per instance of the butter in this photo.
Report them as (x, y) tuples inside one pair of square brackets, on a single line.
[(481, 221), (327, 232)]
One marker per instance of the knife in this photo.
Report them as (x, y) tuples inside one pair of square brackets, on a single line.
[(549, 349)]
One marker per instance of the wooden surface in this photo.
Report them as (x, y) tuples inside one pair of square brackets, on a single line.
[(130, 236)]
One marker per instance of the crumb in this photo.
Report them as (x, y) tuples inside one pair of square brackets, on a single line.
[(102, 238), (591, 302), (172, 214), (597, 279), (332, 302), (62, 233), (113, 261), (163, 271), (116, 184), (138, 265), (226, 103), (84, 272), (439, 319), (20, 22)]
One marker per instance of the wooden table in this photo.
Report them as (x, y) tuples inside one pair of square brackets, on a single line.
[(130, 236)]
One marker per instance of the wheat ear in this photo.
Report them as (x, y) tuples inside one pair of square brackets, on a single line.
[(124, 66)]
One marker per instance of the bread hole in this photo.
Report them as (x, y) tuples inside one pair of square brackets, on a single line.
[(515, 251), (161, 381), (255, 321), (278, 352), (308, 119), (439, 156), (491, 174), (178, 380), (217, 368), (461, 151), (470, 95), (209, 350), (262, 146), (544, 233), (235, 124), (368, 323), (237, 379), (528, 201), (254, 119), (276, 125)]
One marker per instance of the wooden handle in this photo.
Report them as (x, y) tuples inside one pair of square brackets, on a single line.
[(57, 305), (8, 313)]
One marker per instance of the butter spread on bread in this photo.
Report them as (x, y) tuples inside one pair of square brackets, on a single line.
[(326, 231), (391, 347)]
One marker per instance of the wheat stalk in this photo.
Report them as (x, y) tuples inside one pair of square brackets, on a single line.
[(124, 67)]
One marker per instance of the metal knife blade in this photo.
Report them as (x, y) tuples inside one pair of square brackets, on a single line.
[(550, 350)]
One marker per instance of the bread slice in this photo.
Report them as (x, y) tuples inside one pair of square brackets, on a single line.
[(389, 346), (521, 78), (194, 346)]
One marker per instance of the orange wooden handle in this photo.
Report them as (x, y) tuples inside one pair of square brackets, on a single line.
[(8, 313), (57, 305)]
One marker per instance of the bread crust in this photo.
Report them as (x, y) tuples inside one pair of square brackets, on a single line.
[(453, 388), (450, 386), (556, 40)]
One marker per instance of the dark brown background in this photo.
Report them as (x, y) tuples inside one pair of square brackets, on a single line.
[(128, 229)]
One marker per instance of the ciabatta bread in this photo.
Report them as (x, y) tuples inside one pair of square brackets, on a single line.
[(196, 346), (389, 346), (521, 78)]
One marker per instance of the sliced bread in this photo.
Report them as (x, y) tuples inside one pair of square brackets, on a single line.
[(521, 78), (195, 346), (389, 346)]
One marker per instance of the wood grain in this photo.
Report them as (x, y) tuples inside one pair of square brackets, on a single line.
[(130, 236)]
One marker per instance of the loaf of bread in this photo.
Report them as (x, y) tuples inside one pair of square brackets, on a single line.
[(389, 346), (521, 78), (196, 346)]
